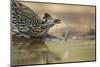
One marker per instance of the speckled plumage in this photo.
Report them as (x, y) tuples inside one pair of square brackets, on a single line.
[(25, 22)]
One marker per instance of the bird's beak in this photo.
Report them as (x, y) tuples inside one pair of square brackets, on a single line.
[(57, 21)]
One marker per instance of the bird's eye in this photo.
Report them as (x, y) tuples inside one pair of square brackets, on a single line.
[(44, 20)]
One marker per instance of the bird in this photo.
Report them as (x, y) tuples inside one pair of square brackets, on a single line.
[(25, 21)]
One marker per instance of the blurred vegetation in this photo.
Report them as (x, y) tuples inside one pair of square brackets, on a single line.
[(27, 52)]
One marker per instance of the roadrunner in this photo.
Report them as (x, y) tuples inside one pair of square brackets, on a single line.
[(25, 22)]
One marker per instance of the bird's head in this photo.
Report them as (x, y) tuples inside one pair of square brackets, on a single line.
[(49, 21)]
